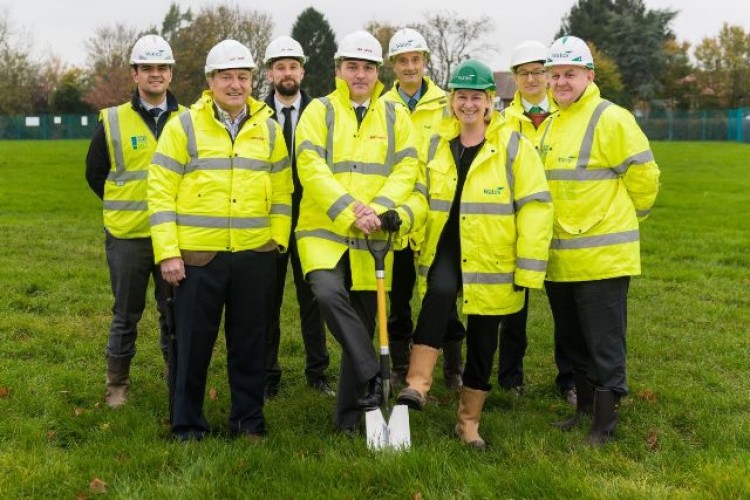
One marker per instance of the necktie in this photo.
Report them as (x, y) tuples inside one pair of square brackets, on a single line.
[(288, 129), (537, 115), (360, 112), (155, 112), (535, 109), (412, 104)]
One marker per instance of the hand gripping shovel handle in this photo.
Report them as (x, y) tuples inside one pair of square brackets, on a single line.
[(379, 252)]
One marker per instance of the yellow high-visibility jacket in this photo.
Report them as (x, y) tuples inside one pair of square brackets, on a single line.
[(207, 192), (431, 109), (505, 217), (131, 145), (339, 164), (516, 119), (603, 180)]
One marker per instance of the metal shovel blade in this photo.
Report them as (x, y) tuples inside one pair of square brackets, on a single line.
[(394, 434)]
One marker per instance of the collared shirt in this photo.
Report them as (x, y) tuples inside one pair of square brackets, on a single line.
[(365, 104), (148, 107), (544, 104), (233, 126), (297, 104), (406, 97)]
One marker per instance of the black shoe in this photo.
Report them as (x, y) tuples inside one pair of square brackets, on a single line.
[(322, 385), (515, 390), (189, 435), (271, 392), (374, 396)]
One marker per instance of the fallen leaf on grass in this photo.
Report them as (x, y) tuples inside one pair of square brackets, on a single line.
[(652, 441), (50, 435), (4, 392), (647, 395), (98, 486), (213, 394), (78, 411), (417, 495)]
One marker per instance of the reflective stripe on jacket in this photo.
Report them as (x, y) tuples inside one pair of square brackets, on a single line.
[(603, 179), (338, 164), (431, 109), (131, 145), (207, 192), (505, 217)]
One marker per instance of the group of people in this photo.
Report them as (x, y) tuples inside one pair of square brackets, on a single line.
[(213, 201)]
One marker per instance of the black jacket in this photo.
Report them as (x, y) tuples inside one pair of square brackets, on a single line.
[(97, 159)]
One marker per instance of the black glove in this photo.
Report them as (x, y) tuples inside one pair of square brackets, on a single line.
[(390, 221), (518, 288)]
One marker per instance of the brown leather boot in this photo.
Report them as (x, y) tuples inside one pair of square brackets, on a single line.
[(419, 380), (118, 381), (470, 406), (584, 403)]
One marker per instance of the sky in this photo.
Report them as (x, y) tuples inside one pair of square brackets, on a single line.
[(61, 26)]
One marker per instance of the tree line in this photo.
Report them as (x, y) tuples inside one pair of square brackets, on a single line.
[(640, 62)]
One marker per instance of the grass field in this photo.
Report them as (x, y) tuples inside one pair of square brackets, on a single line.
[(685, 429)]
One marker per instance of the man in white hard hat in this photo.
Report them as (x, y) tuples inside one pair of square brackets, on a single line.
[(116, 169), (219, 195), (356, 162), (427, 105), (603, 181), (284, 61), (528, 113)]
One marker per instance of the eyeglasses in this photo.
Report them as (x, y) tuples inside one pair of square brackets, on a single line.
[(535, 74)]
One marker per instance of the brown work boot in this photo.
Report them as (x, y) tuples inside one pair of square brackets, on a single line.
[(470, 406), (118, 380), (453, 368), (419, 379)]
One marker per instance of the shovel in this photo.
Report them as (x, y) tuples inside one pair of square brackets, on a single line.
[(382, 433)]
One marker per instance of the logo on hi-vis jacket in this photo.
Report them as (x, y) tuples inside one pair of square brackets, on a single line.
[(138, 141), (493, 191)]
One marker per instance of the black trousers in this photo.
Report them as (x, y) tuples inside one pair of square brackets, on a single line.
[(481, 344), (241, 285), (313, 331), (513, 343), (350, 316), (591, 322), (439, 301), (131, 266), (400, 324)]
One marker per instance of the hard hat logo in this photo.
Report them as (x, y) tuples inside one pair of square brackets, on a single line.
[(570, 50), (360, 45), (474, 75), (229, 54), (151, 49), (284, 47), (407, 40)]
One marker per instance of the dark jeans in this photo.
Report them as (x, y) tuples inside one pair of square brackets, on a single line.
[(439, 302), (313, 330), (350, 317), (400, 324), (241, 285), (131, 265), (591, 322)]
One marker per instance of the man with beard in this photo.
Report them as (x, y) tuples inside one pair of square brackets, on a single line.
[(284, 60), (116, 170)]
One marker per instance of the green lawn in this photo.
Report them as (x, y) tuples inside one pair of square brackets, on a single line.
[(685, 429)]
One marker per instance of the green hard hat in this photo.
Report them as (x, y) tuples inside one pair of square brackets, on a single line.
[(472, 74)]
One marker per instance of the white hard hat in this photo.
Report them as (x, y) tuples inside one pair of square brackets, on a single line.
[(528, 51), (407, 40), (229, 54), (569, 50), (360, 45), (284, 47), (151, 49)]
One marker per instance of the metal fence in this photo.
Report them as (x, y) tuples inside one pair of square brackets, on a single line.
[(658, 124), (697, 125), (48, 127)]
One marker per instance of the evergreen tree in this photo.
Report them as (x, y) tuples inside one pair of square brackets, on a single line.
[(314, 33)]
